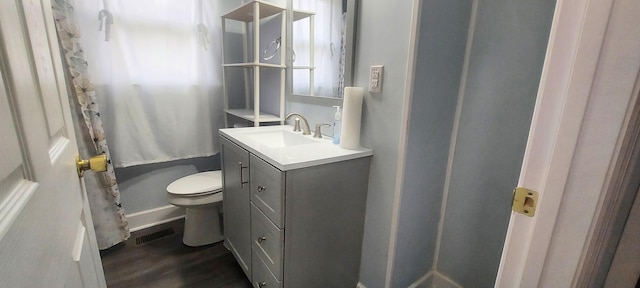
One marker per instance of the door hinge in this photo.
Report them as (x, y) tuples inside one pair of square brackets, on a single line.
[(524, 201)]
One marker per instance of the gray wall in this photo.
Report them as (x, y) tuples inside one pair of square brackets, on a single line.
[(143, 187), (440, 58), (505, 65), (382, 39), (504, 70)]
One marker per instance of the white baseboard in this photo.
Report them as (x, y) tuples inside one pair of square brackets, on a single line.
[(360, 285), (425, 282), (148, 218), (441, 281)]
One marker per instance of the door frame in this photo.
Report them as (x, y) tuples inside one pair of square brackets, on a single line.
[(614, 206), (571, 105)]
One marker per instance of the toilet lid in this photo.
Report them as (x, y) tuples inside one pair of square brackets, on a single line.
[(197, 184)]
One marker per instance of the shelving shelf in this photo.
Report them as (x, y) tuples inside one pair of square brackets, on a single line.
[(251, 14), (251, 65), (245, 13), (248, 114), (301, 14)]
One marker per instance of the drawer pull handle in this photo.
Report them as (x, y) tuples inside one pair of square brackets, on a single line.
[(262, 239), (261, 189), (242, 182), (262, 284)]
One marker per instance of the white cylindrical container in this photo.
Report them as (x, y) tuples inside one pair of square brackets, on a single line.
[(351, 117)]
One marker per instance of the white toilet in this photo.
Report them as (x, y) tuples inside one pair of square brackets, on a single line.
[(201, 195)]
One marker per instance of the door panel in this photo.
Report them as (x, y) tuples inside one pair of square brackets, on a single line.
[(41, 200), (36, 26), (237, 233), (12, 176)]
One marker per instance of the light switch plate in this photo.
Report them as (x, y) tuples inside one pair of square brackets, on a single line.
[(375, 78)]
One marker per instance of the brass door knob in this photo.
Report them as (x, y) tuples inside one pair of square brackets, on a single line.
[(96, 164)]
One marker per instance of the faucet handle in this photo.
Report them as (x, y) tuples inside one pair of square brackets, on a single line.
[(318, 132), (305, 128), (296, 126)]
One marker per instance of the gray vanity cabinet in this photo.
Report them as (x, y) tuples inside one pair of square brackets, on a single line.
[(236, 207), (306, 224)]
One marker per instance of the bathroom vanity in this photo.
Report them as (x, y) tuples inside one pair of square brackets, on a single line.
[(294, 207)]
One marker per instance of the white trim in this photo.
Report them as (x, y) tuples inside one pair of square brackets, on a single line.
[(402, 145), (152, 217), (568, 76), (454, 131), (553, 133), (603, 130), (613, 206), (424, 281), (442, 281)]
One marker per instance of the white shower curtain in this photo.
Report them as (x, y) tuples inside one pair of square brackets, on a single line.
[(161, 82)]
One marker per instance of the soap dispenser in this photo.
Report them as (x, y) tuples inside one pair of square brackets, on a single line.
[(337, 123)]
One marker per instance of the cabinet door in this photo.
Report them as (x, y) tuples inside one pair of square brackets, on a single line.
[(267, 190), (236, 203)]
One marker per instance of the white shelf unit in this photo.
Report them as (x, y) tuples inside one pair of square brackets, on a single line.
[(251, 14), (300, 15)]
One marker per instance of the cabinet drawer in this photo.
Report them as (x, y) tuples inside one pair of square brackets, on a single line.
[(267, 240), (262, 277), (267, 190)]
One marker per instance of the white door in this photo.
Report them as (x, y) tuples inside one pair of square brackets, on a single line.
[(46, 237), (589, 82)]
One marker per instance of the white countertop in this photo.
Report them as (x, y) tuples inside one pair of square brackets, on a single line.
[(315, 152)]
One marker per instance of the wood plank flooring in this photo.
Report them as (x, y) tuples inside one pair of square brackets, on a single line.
[(167, 263)]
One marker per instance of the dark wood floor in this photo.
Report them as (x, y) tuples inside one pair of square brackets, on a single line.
[(166, 262)]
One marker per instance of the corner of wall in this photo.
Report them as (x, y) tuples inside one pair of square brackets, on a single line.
[(425, 281), (441, 281)]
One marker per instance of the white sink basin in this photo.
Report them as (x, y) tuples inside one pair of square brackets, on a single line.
[(286, 150), (280, 138)]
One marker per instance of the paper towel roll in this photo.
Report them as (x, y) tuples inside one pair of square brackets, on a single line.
[(351, 117)]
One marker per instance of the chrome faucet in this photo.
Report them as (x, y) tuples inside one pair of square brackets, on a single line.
[(296, 127)]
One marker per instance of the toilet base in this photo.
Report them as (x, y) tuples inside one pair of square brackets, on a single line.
[(202, 226)]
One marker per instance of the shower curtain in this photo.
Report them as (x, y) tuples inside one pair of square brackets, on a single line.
[(158, 77), (109, 218)]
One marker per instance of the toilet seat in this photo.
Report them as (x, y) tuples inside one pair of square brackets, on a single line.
[(196, 190), (197, 184)]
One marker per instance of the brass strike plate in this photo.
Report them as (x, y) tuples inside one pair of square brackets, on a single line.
[(525, 201)]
